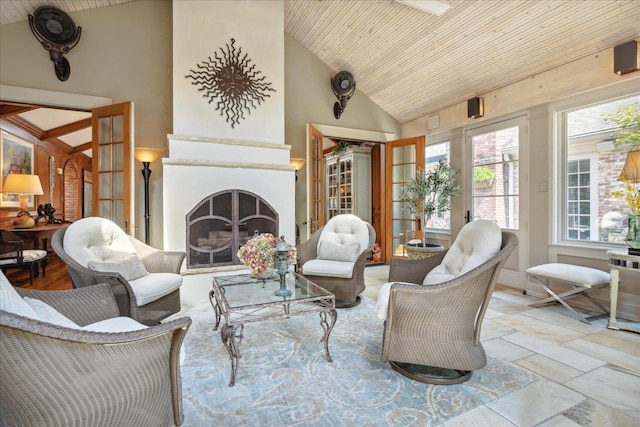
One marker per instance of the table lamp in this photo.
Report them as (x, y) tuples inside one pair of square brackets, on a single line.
[(23, 185), (631, 176)]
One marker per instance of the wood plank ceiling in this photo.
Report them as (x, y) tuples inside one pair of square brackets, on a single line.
[(412, 63)]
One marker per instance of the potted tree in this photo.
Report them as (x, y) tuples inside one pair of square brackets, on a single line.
[(426, 194)]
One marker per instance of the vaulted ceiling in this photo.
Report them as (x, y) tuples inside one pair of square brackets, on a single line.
[(412, 63)]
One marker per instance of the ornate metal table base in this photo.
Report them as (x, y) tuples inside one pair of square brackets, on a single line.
[(307, 300)]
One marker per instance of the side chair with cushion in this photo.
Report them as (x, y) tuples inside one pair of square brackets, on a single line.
[(68, 359), (146, 281), (335, 256), (14, 256), (433, 308)]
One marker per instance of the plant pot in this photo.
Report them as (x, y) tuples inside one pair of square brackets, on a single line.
[(422, 250), (483, 184)]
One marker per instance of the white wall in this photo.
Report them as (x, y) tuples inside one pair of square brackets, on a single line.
[(201, 30), (207, 154), (309, 99)]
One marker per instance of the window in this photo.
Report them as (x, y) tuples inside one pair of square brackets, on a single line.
[(590, 170), (496, 194), (433, 154)]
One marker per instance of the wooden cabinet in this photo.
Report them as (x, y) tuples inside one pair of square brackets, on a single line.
[(348, 183)]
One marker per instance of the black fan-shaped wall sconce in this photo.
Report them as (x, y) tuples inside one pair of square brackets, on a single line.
[(57, 33), (343, 86)]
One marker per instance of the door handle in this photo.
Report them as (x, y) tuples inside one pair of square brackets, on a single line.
[(467, 217)]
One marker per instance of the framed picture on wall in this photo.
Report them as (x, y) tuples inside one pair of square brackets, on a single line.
[(16, 156)]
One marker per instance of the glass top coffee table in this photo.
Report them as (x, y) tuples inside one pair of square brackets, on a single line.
[(244, 299)]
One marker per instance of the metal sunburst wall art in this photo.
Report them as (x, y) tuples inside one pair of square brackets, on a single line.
[(232, 82)]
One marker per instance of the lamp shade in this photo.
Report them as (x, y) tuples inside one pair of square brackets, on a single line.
[(631, 170), (23, 184), (297, 163), (144, 154)]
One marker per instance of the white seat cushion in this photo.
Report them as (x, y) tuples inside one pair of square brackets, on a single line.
[(115, 324), (96, 239), (327, 268), (154, 286), (343, 230), (11, 302), (576, 274), (383, 298), (30, 255), (48, 314), (477, 242)]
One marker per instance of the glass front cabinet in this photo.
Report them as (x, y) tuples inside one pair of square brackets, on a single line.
[(348, 183)]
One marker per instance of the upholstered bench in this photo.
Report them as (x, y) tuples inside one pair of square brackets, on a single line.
[(582, 280)]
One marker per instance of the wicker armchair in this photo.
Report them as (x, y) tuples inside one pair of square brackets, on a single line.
[(166, 264), (57, 376), (432, 333), (344, 279)]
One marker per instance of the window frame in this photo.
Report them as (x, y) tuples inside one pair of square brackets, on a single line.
[(430, 141), (559, 158)]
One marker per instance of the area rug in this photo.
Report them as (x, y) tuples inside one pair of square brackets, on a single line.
[(284, 379)]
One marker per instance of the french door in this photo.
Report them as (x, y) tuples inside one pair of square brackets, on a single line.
[(315, 180), (112, 164), (403, 158), (495, 186)]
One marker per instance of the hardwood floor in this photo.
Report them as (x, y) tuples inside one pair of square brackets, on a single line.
[(57, 276)]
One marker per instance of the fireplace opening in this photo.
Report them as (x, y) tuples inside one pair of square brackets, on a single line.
[(221, 223)]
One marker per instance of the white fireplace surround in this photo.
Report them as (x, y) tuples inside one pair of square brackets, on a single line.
[(198, 167)]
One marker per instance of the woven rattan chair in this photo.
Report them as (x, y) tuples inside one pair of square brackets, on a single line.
[(155, 308), (56, 376), (343, 278), (432, 333)]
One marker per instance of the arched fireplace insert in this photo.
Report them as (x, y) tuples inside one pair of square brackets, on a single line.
[(221, 223)]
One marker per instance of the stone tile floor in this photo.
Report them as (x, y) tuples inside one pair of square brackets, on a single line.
[(589, 375)]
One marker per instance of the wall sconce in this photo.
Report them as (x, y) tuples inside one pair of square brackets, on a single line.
[(23, 185), (475, 108), (146, 156), (343, 86), (626, 58), (297, 163)]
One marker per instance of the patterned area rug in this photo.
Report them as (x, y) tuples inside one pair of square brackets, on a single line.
[(284, 379)]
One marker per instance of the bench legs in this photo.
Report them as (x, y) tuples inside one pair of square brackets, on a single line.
[(577, 290)]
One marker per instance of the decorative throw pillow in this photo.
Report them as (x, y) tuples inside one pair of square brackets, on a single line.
[(131, 268), (336, 252), (11, 302), (48, 314)]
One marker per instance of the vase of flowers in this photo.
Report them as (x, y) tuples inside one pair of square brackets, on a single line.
[(259, 254)]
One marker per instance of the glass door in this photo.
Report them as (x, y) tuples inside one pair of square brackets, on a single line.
[(112, 151), (494, 189), (404, 157)]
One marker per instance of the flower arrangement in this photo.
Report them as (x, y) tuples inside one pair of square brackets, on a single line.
[(259, 253)]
